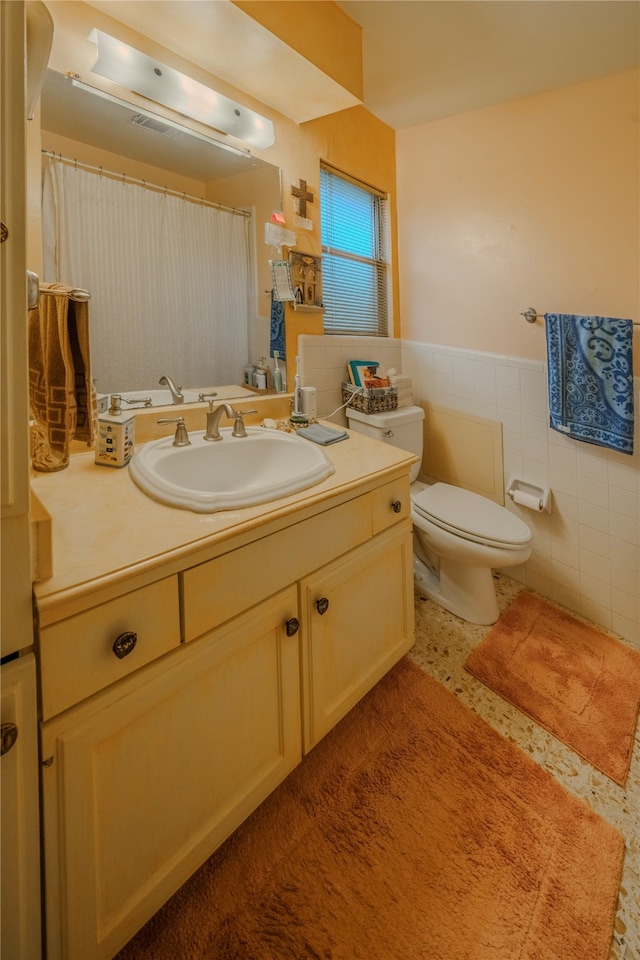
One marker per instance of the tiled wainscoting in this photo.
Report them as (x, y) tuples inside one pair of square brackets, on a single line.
[(586, 553), (323, 364)]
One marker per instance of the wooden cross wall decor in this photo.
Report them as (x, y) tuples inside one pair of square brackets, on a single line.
[(303, 196)]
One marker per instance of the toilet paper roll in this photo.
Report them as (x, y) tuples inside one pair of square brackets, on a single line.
[(527, 500)]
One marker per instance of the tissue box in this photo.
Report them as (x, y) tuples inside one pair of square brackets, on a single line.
[(405, 390)]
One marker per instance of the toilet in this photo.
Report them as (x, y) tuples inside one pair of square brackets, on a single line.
[(458, 536)]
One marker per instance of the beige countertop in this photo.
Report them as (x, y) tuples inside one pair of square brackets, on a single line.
[(105, 530)]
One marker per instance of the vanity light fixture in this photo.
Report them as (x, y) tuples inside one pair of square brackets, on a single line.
[(155, 118), (142, 74)]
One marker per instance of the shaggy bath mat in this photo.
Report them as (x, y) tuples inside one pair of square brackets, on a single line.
[(578, 683), (413, 831)]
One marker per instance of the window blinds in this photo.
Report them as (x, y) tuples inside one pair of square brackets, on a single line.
[(355, 262)]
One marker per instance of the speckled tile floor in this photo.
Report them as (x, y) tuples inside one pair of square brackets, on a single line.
[(443, 643)]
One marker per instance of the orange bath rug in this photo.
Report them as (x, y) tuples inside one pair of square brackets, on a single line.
[(580, 684), (413, 831)]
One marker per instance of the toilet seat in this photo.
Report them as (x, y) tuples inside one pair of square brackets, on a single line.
[(471, 516)]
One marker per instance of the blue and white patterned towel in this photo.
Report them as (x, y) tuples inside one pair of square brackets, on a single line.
[(277, 333), (590, 368)]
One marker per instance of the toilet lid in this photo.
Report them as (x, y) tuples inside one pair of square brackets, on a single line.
[(471, 516)]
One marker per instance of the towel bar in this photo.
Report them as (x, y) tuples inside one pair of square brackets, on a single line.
[(531, 315), (80, 295)]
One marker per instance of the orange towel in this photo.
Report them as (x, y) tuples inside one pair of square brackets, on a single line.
[(62, 394)]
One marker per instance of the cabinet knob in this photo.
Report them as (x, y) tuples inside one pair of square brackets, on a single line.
[(9, 735), (292, 625), (322, 605), (396, 506), (124, 644)]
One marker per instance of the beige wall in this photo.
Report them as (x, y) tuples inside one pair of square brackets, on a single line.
[(534, 202), (319, 31)]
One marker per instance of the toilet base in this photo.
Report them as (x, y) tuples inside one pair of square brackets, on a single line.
[(468, 592)]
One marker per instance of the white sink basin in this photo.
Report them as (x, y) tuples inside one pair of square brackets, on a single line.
[(230, 473)]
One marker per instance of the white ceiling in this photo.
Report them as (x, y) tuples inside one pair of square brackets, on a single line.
[(428, 59), (423, 59)]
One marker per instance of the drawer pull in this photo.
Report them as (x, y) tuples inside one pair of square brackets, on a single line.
[(9, 735), (292, 625), (396, 506), (124, 644), (322, 605)]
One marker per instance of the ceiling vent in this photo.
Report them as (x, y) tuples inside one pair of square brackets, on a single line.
[(151, 123)]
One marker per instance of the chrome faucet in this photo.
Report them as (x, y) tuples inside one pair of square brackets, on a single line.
[(177, 396), (214, 415), (213, 419)]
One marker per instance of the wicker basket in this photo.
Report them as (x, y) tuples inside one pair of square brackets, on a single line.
[(375, 400)]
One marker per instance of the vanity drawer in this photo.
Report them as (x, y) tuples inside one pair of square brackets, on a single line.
[(391, 503), (215, 591), (77, 654)]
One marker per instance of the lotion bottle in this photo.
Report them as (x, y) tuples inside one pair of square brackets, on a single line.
[(261, 374)]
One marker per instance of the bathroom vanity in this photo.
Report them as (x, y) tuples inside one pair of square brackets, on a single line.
[(187, 663)]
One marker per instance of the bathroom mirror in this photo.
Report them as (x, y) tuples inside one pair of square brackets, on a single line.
[(234, 178)]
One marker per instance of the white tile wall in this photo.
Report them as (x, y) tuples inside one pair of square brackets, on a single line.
[(323, 365), (586, 553)]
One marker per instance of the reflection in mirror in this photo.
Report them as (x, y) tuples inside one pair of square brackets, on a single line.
[(173, 283), (143, 399)]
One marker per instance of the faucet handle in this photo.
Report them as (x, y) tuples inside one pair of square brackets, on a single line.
[(239, 429), (206, 396), (181, 438)]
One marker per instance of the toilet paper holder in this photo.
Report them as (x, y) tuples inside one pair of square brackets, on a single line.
[(529, 495)]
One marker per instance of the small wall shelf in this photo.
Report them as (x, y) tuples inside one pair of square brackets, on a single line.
[(306, 307), (305, 272)]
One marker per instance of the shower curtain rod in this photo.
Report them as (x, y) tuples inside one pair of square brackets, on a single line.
[(181, 195), (531, 315)]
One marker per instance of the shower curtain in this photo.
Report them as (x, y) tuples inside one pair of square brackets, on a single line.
[(169, 279)]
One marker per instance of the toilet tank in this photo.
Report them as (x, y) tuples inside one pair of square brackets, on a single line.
[(402, 428)]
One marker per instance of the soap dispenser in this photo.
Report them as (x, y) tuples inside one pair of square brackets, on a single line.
[(116, 431)]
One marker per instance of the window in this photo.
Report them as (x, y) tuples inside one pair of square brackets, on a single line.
[(355, 261)]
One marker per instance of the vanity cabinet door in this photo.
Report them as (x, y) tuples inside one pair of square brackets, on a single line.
[(358, 620), (143, 782), (19, 814)]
